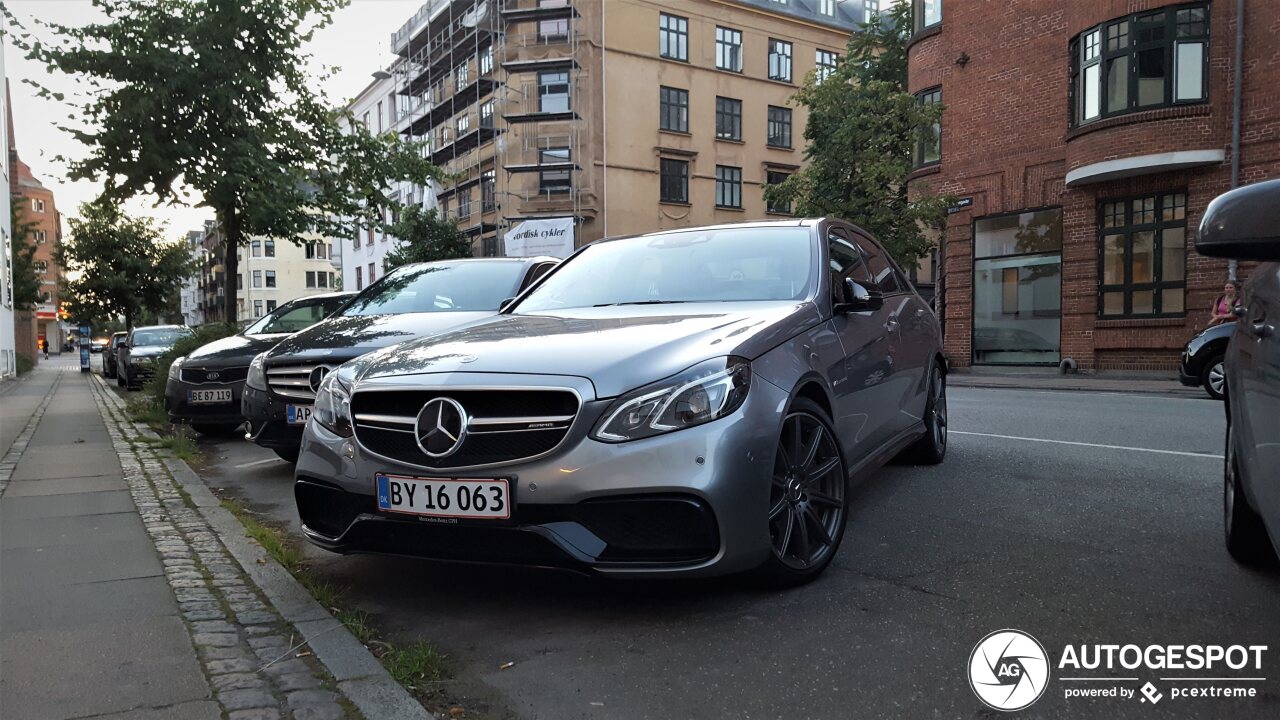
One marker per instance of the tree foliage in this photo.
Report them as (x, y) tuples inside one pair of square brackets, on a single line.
[(118, 265), (425, 236), (214, 96), (26, 279), (863, 125)]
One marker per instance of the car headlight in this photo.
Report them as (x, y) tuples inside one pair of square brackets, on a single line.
[(705, 392), (175, 368), (257, 378), (333, 406), (141, 359)]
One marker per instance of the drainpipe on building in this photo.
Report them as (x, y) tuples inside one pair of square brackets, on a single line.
[(604, 130), (1236, 101)]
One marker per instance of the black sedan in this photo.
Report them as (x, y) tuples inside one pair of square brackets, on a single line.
[(204, 388), (1203, 357), (410, 302), (109, 353)]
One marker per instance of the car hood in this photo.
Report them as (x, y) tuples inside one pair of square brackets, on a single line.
[(617, 348), (234, 351), (1209, 334), (350, 336)]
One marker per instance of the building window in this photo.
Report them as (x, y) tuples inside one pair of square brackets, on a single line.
[(728, 186), (310, 279), (355, 241), (728, 119), (271, 306), (257, 308), (437, 91), (380, 126), (314, 251), (269, 248), (271, 278), (486, 115), (369, 236), (359, 277), (37, 205), (553, 92), (728, 49), (257, 278), (779, 127), (1017, 288), (870, 7), (488, 191), (1138, 62), (464, 209), (489, 246), (1144, 256), (484, 61), (372, 273), (41, 236), (827, 7), (779, 60), (673, 37), (323, 279), (928, 147), (824, 64), (460, 76), (559, 180), (673, 109), (463, 124), (777, 178), (40, 266), (674, 182), (926, 13), (255, 248)]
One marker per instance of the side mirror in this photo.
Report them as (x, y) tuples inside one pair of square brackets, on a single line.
[(1241, 224), (857, 298), (502, 306)]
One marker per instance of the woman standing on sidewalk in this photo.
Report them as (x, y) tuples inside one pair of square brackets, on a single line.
[(1224, 308)]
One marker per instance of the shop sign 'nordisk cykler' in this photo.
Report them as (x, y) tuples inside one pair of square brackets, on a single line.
[(553, 236)]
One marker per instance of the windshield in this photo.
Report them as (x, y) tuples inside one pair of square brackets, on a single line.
[(443, 287), (295, 316), (734, 264), (158, 336)]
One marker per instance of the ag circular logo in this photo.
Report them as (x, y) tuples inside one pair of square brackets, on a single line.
[(316, 376), (441, 427), (1008, 670)]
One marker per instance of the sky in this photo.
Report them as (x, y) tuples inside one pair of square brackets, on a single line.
[(357, 42)]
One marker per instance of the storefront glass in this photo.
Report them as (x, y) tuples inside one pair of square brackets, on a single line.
[(1017, 289)]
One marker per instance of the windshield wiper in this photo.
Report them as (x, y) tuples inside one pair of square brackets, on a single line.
[(642, 302)]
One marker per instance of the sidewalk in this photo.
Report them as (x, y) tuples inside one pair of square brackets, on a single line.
[(119, 598), (1027, 378)]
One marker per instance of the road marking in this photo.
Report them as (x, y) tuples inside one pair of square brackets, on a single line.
[(1209, 456), (241, 466)]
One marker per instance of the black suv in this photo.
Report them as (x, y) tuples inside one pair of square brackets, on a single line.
[(409, 302)]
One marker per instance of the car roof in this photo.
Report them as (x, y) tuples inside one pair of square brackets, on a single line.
[(119, 332), (790, 222), (525, 260), (162, 327), (326, 296)]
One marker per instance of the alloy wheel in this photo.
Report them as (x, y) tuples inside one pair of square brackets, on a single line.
[(1218, 378), (939, 409), (807, 495)]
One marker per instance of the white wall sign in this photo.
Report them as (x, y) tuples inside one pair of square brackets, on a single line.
[(553, 236)]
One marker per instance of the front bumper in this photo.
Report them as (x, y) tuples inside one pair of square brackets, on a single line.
[(139, 373), (180, 409), (689, 503), (268, 419)]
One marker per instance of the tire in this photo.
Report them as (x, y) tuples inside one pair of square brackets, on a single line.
[(931, 448), (808, 498), (1245, 533), (219, 430), (1213, 377), (289, 455)]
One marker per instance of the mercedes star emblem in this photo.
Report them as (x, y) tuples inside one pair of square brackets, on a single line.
[(441, 427), (317, 376)]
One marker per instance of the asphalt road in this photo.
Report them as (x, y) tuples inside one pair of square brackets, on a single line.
[(1111, 533)]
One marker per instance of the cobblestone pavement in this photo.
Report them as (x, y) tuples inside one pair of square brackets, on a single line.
[(257, 665)]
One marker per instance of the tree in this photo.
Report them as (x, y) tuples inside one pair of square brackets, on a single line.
[(862, 128), (26, 279), (425, 236), (214, 96), (120, 265)]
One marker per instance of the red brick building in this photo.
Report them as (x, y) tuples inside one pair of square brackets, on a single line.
[(1083, 141)]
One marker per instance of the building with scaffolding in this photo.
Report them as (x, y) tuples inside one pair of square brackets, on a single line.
[(611, 117)]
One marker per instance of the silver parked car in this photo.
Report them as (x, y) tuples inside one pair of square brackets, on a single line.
[(690, 403), (1242, 224)]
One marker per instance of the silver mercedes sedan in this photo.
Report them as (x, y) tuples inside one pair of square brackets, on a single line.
[(692, 402)]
